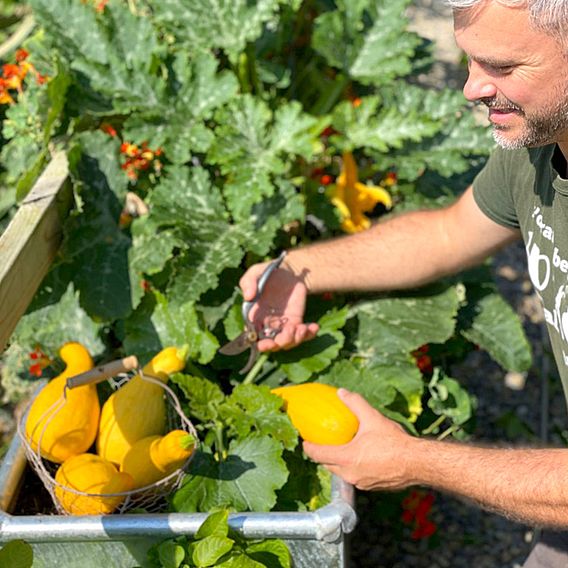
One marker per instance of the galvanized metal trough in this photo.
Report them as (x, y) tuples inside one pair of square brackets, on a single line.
[(316, 539)]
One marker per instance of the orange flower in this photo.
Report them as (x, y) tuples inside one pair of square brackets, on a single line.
[(13, 75), (139, 159), (353, 198)]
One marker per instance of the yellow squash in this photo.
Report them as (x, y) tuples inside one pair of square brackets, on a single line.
[(138, 408), (318, 413), (90, 473), (155, 457), (65, 427)]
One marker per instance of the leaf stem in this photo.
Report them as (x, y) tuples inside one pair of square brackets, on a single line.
[(433, 426), (253, 373), (453, 428), (219, 442)]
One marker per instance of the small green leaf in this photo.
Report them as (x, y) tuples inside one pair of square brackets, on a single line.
[(253, 409), (210, 549), (449, 398), (216, 524), (203, 396), (16, 554), (271, 553), (170, 554)]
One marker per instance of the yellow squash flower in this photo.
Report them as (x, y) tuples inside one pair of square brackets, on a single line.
[(353, 199)]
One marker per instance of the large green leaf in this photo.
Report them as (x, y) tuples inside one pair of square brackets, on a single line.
[(397, 325), (214, 24), (246, 480), (378, 384), (179, 128), (96, 247), (490, 322), (309, 358), (49, 326), (55, 324), (368, 40), (156, 324), (112, 54), (253, 144)]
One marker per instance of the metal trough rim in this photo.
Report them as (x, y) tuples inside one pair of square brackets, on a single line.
[(327, 524)]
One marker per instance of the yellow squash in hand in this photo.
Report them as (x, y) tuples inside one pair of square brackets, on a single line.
[(155, 457), (90, 473), (318, 414), (138, 408), (65, 427)]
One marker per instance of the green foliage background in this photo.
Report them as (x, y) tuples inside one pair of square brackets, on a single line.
[(249, 104)]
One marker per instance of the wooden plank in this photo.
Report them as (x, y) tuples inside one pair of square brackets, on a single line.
[(30, 242)]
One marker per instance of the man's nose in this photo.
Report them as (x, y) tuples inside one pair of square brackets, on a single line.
[(479, 84)]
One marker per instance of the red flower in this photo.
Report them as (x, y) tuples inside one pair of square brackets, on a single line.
[(416, 508), (326, 132), (40, 362), (326, 179), (423, 361), (108, 129), (21, 55), (390, 179)]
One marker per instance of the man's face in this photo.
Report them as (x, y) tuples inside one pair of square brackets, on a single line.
[(519, 73)]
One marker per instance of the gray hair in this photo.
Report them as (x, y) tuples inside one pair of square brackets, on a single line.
[(550, 16)]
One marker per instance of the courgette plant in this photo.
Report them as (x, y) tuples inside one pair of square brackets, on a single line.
[(204, 136)]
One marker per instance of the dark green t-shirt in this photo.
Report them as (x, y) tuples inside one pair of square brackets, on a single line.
[(522, 189)]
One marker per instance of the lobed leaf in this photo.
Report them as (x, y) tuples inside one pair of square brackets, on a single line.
[(246, 480), (396, 325)]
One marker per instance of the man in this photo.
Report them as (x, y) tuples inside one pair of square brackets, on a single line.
[(518, 67)]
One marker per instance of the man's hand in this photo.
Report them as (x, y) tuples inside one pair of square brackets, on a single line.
[(375, 458), (284, 298)]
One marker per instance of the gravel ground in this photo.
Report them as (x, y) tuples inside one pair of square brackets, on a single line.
[(468, 536)]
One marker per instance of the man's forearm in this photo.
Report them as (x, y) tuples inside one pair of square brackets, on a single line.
[(529, 485), (391, 255), (403, 252)]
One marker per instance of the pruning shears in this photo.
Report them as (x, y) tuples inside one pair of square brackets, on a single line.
[(249, 337)]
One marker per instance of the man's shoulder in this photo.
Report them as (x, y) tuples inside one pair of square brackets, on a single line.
[(523, 156)]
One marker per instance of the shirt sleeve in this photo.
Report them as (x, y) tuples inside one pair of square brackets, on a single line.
[(493, 191)]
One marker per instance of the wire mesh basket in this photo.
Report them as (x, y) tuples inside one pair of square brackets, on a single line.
[(148, 499)]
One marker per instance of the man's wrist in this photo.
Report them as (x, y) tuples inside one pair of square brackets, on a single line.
[(419, 455), (291, 264)]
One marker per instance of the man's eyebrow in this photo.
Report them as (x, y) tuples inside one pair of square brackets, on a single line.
[(493, 61)]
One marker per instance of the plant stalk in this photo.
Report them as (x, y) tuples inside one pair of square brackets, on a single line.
[(253, 373)]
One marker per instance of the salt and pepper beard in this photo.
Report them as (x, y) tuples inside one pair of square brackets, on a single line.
[(539, 129)]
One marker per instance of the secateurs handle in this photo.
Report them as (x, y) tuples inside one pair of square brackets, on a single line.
[(103, 372), (247, 305)]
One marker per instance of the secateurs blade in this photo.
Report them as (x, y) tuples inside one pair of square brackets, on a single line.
[(249, 337)]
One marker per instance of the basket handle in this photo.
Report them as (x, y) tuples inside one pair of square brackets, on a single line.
[(103, 372)]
